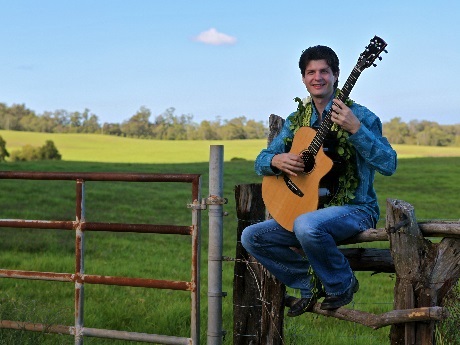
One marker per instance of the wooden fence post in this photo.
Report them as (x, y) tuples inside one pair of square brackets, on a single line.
[(260, 320), (425, 271), (258, 300)]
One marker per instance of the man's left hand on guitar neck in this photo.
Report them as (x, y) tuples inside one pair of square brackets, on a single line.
[(344, 117)]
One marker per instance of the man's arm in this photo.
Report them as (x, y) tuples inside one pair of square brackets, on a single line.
[(371, 145), (274, 160)]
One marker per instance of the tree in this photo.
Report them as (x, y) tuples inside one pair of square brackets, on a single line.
[(3, 152), (178, 126), (31, 123), (138, 125), (27, 153), (111, 129), (75, 120), (208, 130), (10, 117), (61, 121), (255, 130), (396, 131), (46, 123), (90, 123), (234, 129), (49, 151), (163, 127)]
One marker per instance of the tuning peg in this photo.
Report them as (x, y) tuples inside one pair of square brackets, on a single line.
[(380, 58), (386, 51), (374, 65)]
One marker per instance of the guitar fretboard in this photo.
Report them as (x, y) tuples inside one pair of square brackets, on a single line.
[(327, 123)]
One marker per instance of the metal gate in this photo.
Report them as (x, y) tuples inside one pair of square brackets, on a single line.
[(79, 278)]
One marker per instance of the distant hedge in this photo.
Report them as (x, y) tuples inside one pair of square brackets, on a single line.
[(33, 153)]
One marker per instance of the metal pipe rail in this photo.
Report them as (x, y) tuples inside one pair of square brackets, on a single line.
[(79, 278)]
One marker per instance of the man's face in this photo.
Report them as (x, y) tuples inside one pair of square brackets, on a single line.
[(319, 79)]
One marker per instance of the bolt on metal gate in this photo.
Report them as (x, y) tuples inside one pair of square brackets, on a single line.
[(79, 278)]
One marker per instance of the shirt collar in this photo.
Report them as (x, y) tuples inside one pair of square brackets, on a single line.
[(314, 116)]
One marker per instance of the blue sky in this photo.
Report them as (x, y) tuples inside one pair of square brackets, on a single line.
[(224, 59)]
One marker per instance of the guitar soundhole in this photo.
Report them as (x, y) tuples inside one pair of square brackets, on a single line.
[(309, 161)]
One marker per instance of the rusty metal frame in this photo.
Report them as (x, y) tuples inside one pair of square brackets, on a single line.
[(79, 278)]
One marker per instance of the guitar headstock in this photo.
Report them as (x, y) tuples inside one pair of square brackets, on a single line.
[(372, 52)]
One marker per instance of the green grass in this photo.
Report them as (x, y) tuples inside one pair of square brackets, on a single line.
[(152, 256), (414, 151), (105, 148), (430, 184)]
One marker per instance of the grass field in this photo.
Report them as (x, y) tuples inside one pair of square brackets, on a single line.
[(111, 149), (430, 183)]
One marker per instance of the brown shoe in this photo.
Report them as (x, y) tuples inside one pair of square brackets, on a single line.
[(332, 302), (301, 306)]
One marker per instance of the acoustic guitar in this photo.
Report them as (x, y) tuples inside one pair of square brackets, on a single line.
[(287, 197)]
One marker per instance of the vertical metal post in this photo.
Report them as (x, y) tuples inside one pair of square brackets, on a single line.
[(215, 332), (79, 261), (196, 263)]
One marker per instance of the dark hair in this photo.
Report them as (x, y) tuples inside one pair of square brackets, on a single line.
[(319, 53)]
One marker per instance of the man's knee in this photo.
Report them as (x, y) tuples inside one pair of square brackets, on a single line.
[(305, 231), (247, 238)]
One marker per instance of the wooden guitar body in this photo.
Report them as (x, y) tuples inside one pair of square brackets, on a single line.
[(285, 202)]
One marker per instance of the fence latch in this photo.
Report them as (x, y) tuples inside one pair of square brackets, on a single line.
[(211, 200), (196, 205), (215, 200)]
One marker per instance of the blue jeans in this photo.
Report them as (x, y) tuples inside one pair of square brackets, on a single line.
[(316, 233)]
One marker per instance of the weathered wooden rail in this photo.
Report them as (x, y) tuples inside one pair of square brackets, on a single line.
[(425, 273)]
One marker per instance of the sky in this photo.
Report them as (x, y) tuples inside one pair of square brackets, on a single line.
[(224, 59)]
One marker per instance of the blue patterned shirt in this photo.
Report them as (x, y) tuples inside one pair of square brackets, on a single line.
[(373, 153)]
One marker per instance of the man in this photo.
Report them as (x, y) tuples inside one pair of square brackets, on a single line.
[(317, 232)]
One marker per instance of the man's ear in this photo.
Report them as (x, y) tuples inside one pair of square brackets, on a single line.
[(337, 75)]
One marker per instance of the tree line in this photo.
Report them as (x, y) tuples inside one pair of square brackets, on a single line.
[(166, 125), (169, 126), (417, 132)]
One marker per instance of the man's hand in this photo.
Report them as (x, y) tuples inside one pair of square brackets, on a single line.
[(289, 163), (344, 117)]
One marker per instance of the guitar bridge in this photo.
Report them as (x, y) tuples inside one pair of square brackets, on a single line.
[(292, 187)]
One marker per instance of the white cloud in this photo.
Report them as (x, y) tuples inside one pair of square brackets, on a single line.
[(214, 37)]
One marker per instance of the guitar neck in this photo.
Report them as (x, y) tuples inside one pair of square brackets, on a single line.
[(327, 123)]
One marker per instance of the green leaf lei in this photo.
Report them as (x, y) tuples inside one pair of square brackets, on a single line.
[(348, 180)]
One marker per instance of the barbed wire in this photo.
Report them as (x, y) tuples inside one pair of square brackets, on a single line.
[(264, 303)]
